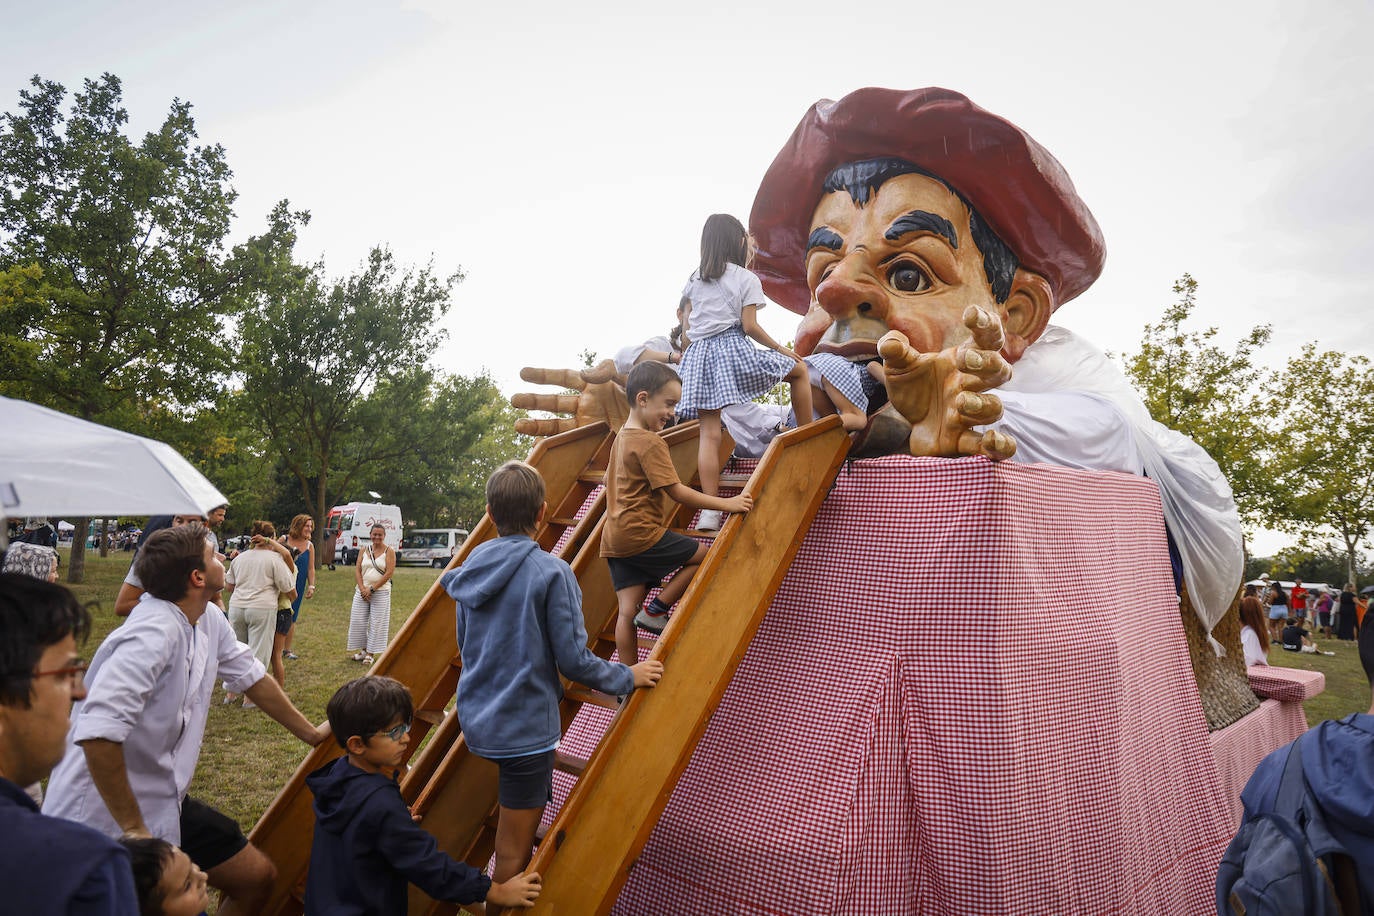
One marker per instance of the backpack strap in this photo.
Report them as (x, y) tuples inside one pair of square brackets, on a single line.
[(1292, 785)]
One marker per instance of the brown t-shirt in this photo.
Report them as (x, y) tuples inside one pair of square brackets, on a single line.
[(637, 502)]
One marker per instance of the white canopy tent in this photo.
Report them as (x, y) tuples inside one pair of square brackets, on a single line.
[(52, 464)]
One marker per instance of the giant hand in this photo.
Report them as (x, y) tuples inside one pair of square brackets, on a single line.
[(935, 399), (599, 398)]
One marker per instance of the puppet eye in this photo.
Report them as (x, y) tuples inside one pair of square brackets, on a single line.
[(908, 278)]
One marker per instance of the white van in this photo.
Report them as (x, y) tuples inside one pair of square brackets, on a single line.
[(350, 525), (431, 546)]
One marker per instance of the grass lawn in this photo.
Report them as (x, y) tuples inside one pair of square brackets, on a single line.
[(247, 757)]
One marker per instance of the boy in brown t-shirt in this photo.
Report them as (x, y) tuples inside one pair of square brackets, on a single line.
[(641, 487)]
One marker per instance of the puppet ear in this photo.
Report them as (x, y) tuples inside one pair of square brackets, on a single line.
[(1026, 312)]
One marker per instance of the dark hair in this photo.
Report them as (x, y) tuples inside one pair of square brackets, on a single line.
[(168, 559), (723, 241), (149, 857), (866, 176), (367, 705), (649, 377), (515, 493), (33, 616), (264, 528), (1252, 615)]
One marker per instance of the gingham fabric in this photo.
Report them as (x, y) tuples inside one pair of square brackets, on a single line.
[(727, 369), (1239, 747), (1291, 685), (840, 372), (972, 694)]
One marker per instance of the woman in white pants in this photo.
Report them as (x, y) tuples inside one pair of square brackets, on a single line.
[(256, 578), (369, 624)]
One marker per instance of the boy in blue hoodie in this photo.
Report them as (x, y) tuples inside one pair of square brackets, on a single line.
[(366, 846), (520, 627)]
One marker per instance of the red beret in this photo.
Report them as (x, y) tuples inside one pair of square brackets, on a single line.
[(1018, 188)]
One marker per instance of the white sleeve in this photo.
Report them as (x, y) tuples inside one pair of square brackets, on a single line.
[(1069, 428)]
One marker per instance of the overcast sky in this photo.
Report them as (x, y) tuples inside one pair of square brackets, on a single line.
[(565, 155)]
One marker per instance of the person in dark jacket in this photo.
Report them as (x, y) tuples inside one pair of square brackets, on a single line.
[(366, 847), (1338, 767), (519, 627), (47, 865)]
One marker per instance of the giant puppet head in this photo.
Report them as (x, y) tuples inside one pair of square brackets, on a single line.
[(892, 210)]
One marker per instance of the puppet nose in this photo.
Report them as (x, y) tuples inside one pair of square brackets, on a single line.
[(849, 292)]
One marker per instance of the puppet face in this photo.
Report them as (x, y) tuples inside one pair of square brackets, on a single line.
[(905, 261)]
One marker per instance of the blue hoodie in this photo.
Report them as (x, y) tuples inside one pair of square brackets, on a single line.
[(1338, 765), (366, 848), (519, 626)]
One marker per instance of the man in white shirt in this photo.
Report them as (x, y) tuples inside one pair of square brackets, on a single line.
[(136, 738)]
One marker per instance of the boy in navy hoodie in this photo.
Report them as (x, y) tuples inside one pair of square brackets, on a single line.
[(366, 846), (520, 627)]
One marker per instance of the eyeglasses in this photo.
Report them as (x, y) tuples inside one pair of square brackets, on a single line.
[(73, 673), (396, 732)]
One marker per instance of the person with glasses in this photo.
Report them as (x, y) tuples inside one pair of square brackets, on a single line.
[(136, 739), (47, 865), (367, 849)]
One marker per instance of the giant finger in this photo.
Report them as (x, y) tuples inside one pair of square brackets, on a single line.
[(529, 427), (552, 403), (908, 377), (566, 378), (986, 327), (601, 373), (991, 443), (978, 409), (983, 369), (897, 352)]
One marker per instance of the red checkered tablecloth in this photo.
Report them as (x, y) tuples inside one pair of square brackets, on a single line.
[(972, 694), (1239, 747), (1291, 685)]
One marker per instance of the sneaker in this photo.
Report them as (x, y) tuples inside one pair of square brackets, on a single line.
[(654, 623), (710, 520), (368, 660), (290, 656), (359, 655)]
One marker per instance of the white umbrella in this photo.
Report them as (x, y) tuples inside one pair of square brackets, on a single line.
[(55, 464)]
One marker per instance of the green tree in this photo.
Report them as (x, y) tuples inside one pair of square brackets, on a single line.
[(1323, 468), (450, 437), (117, 270), (331, 373), (1190, 383)]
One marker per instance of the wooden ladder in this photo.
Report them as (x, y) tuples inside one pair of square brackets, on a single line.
[(423, 654), (453, 790), (586, 857)]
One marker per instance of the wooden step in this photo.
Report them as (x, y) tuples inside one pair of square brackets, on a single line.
[(432, 716), (570, 763), (579, 694)]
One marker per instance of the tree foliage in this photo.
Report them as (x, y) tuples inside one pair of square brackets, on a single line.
[(336, 376), (115, 272), (1191, 383), (1323, 468)]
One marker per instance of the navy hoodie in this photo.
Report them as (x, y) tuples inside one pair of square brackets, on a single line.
[(57, 867), (366, 849), (1338, 765), (520, 625)]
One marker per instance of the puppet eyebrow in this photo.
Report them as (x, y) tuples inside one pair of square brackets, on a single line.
[(823, 237), (922, 221)]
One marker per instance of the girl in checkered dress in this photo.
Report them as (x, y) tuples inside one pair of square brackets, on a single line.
[(722, 367)]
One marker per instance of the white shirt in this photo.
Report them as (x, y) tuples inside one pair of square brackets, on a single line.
[(718, 304), (1250, 642), (258, 575), (148, 688)]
